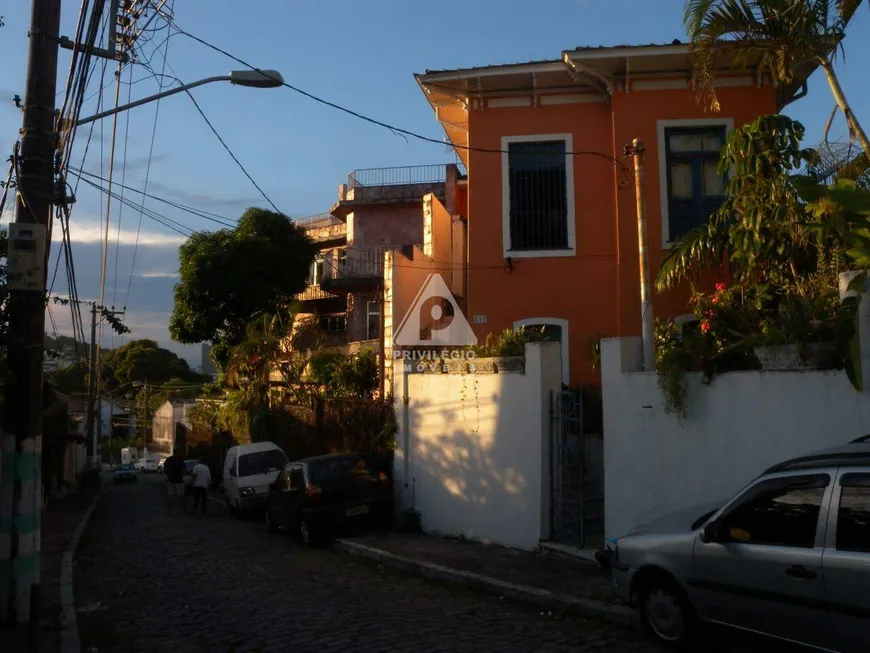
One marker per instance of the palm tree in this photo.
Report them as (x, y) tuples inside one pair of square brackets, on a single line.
[(784, 34)]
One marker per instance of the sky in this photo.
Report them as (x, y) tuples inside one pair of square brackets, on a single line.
[(358, 54)]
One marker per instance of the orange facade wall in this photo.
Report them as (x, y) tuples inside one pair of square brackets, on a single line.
[(597, 290)]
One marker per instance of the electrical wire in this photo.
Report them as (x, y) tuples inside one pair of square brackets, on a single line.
[(123, 188), (223, 142), (150, 159), (212, 217), (394, 129), (169, 223)]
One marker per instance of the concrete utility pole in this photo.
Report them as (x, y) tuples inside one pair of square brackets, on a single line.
[(636, 150), (21, 503)]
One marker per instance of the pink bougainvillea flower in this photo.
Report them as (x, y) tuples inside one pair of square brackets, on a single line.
[(715, 300), (720, 287), (705, 326)]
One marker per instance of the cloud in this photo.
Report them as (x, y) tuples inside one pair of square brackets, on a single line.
[(90, 232), (193, 198), (158, 274)]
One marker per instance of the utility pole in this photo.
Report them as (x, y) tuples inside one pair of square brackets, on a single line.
[(636, 150), (21, 503), (92, 382), (145, 420)]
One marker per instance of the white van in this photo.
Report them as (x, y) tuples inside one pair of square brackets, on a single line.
[(249, 469)]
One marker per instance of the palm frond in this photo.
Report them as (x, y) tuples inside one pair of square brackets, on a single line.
[(699, 249)]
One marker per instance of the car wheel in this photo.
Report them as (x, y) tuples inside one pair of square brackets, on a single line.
[(666, 612), (271, 524)]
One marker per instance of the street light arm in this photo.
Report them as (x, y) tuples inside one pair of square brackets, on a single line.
[(151, 98)]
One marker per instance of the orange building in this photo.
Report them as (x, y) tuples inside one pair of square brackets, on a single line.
[(548, 208)]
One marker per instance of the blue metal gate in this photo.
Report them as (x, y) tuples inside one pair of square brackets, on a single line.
[(576, 494)]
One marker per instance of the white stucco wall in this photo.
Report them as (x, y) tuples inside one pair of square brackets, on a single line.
[(737, 426), (473, 450)]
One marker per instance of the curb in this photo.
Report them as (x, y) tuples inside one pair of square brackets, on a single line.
[(524, 593), (69, 628)]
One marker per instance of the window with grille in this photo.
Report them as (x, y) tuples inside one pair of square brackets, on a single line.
[(333, 323), (373, 320), (696, 190), (539, 206)]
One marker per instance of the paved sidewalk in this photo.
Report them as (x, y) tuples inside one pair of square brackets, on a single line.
[(550, 580), (59, 523)]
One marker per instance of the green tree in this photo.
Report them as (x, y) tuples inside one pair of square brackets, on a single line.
[(787, 36), (230, 276), (144, 360)]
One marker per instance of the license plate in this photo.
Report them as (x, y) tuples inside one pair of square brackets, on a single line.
[(359, 510)]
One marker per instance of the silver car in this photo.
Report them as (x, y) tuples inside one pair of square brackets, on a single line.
[(787, 557)]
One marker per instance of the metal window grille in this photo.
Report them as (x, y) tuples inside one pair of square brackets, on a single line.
[(538, 195), (373, 320), (695, 188), (333, 323)]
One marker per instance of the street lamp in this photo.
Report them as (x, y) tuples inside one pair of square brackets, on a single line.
[(250, 78)]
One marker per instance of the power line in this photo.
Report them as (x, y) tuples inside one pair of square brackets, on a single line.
[(393, 128), (150, 159), (123, 188), (175, 226), (222, 142), (221, 220)]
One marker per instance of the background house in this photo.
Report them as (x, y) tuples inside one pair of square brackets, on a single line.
[(379, 210), (168, 429)]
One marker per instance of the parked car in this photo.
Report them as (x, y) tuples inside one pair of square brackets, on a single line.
[(160, 465), (248, 471), (150, 465), (316, 496), (787, 557), (124, 474)]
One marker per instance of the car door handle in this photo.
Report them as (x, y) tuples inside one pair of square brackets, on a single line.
[(800, 572)]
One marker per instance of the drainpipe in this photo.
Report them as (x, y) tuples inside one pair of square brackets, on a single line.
[(636, 150)]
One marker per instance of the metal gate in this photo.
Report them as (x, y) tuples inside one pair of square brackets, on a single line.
[(576, 489)]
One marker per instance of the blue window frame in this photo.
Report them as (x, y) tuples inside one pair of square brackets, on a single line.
[(695, 188)]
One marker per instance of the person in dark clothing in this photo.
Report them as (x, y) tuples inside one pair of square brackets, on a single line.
[(173, 467)]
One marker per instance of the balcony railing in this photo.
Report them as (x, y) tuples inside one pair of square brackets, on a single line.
[(317, 221), (314, 292), (356, 263), (404, 175)]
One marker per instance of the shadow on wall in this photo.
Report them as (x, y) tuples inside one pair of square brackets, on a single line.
[(478, 451)]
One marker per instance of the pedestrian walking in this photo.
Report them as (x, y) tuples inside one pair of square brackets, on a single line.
[(201, 483), (173, 467)]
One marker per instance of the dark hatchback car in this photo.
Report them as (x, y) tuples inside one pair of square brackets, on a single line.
[(318, 496)]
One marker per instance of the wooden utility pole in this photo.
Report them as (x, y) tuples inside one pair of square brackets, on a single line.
[(636, 150), (21, 503)]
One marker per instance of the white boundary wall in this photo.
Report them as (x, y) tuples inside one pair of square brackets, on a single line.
[(738, 425), (473, 449)]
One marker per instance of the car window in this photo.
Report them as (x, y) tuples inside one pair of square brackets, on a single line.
[(297, 478), (853, 520), (778, 512), (331, 470), (261, 462)]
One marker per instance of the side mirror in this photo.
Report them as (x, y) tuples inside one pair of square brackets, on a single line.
[(710, 533)]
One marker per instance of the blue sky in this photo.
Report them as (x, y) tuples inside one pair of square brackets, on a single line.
[(359, 54)]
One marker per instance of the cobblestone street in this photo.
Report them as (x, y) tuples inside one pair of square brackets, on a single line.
[(148, 582)]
